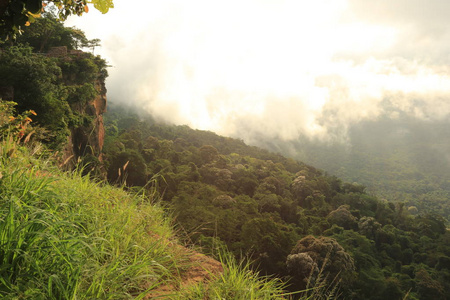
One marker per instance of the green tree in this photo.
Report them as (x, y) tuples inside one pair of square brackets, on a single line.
[(321, 252), (342, 217), (48, 32), (427, 287), (128, 167), (15, 15), (36, 86), (268, 242), (208, 154)]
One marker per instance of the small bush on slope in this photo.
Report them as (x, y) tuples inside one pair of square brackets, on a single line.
[(237, 282)]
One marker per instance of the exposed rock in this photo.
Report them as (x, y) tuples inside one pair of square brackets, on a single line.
[(77, 53), (57, 52), (88, 139)]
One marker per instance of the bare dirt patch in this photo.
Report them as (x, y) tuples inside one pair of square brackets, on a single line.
[(195, 268)]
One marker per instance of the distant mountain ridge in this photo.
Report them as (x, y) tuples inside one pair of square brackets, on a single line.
[(404, 159)]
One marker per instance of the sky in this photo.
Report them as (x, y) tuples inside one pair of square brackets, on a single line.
[(262, 69)]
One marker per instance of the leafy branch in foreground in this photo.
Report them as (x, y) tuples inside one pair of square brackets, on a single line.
[(16, 14), (14, 126)]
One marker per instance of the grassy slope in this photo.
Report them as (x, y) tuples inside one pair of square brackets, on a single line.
[(63, 236)]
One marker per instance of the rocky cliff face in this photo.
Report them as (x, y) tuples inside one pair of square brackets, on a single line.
[(87, 140), (82, 78)]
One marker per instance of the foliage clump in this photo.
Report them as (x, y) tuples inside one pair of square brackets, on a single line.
[(57, 88), (311, 253)]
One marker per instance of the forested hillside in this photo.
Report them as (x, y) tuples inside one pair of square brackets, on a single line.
[(403, 159), (288, 217)]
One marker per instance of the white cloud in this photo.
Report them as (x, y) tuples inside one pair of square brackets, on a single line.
[(276, 68)]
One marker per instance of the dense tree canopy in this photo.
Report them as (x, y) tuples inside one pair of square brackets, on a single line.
[(400, 159), (288, 217)]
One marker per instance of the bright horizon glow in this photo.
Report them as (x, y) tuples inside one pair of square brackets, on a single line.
[(272, 68)]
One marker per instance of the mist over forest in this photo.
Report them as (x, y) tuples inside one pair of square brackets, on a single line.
[(314, 70), (359, 90), (225, 150), (398, 159)]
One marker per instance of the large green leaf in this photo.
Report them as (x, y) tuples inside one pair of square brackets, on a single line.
[(103, 5)]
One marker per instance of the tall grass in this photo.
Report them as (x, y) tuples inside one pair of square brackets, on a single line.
[(63, 236), (238, 282)]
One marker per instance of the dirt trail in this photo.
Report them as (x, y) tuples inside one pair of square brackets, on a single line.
[(196, 268)]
